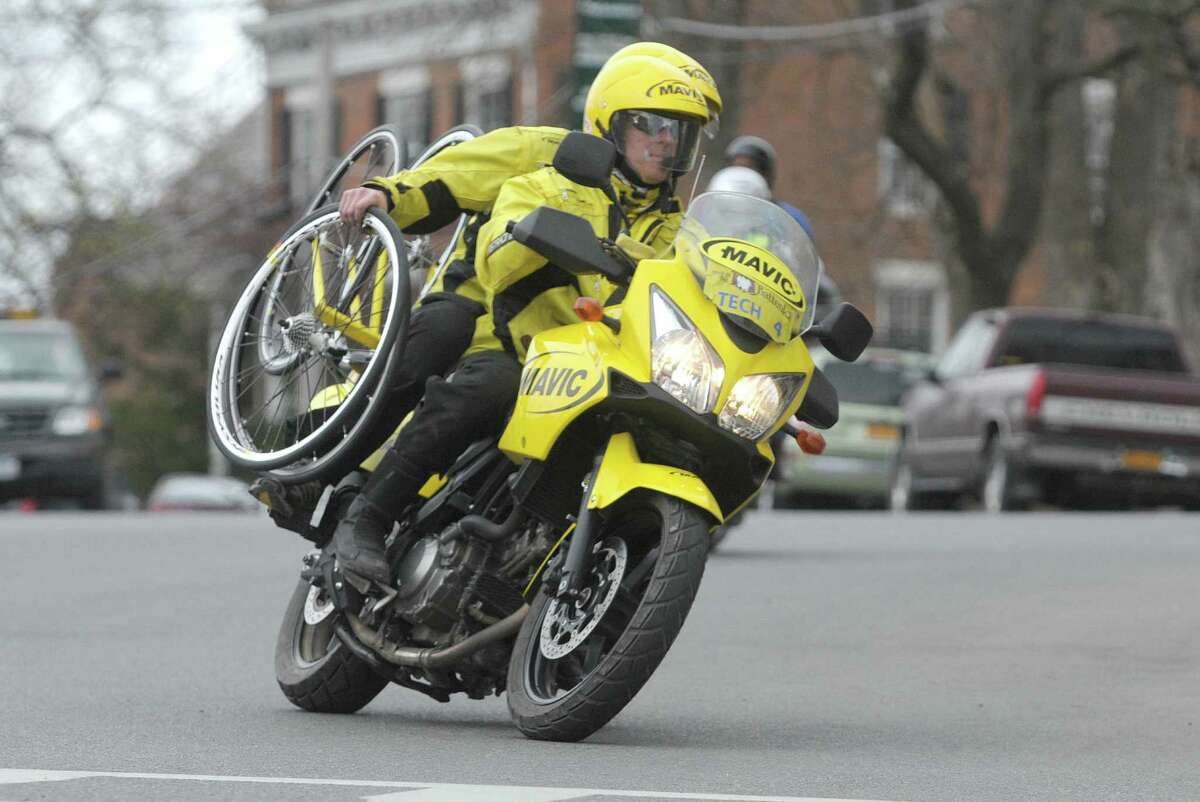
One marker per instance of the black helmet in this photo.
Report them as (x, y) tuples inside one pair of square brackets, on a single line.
[(758, 151)]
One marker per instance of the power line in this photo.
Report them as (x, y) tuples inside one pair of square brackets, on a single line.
[(879, 24)]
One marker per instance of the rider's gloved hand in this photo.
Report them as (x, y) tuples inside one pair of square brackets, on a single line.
[(627, 252), (636, 249), (354, 203)]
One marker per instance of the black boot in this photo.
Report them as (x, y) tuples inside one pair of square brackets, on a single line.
[(287, 501), (358, 541)]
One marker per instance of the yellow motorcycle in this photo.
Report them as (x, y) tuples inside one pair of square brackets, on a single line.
[(559, 562)]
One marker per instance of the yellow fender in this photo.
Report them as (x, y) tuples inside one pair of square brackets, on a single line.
[(622, 470)]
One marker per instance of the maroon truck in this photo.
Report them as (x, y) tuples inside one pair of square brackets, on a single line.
[(1069, 407)]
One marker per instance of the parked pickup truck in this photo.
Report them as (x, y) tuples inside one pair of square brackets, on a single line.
[(1070, 407)]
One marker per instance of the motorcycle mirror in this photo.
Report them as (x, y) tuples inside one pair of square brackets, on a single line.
[(844, 332), (820, 406), (586, 160)]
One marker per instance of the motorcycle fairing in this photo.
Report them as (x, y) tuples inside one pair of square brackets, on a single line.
[(569, 369), (622, 471)]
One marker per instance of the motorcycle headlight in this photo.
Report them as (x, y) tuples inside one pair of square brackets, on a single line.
[(756, 403), (681, 361), (70, 421)]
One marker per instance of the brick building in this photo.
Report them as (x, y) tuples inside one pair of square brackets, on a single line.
[(423, 66), (427, 66)]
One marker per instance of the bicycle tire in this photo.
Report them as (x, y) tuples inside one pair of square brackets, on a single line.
[(344, 455), (394, 153), (230, 380)]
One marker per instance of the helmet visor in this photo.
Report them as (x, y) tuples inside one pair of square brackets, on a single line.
[(655, 145)]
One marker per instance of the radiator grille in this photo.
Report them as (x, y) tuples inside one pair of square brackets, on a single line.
[(22, 422)]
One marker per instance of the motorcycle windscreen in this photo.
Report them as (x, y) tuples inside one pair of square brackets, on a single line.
[(753, 260)]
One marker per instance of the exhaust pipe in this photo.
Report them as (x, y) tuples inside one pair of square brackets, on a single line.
[(437, 657)]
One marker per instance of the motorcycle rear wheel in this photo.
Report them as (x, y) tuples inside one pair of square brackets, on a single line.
[(314, 670), (569, 698)]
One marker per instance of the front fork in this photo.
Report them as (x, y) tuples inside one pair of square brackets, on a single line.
[(578, 563)]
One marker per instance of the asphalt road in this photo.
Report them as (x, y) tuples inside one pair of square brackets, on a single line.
[(935, 657)]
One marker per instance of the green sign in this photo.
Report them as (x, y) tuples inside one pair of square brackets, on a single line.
[(603, 27)]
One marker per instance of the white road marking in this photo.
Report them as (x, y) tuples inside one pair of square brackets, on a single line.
[(420, 792)]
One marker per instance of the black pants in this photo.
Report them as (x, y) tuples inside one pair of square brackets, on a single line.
[(438, 333), (470, 405)]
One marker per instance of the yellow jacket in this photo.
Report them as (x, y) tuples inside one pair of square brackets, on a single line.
[(523, 293), (465, 178)]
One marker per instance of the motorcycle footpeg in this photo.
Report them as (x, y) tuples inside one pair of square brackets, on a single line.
[(346, 589)]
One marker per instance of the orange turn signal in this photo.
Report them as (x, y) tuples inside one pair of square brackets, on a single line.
[(810, 442), (589, 309)]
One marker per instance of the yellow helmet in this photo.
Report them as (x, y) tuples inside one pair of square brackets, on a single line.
[(652, 96), (677, 58)]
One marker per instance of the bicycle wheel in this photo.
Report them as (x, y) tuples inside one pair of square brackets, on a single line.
[(345, 454), (421, 254), (382, 151), (308, 341)]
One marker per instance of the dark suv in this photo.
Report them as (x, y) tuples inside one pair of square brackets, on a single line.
[(54, 431)]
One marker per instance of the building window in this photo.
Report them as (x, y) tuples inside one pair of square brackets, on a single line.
[(903, 188), (410, 114), (301, 138), (494, 107), (486, 92), (912, 305), (406, 102), (910, 318), (1099, 108)]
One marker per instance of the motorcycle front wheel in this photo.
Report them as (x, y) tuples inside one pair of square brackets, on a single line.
[(574, 667)]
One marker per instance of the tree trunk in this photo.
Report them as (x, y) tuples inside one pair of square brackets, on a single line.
[(1138, 165), (1173, 252), (1071, 212)]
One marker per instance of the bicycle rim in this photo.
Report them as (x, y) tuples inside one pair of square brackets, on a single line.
[(306, 343)]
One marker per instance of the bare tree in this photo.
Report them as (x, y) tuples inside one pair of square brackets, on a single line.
[(992, 250), (1155, 225), (92, 116)]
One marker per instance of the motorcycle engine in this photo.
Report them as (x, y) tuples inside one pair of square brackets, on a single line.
[(433, 577)]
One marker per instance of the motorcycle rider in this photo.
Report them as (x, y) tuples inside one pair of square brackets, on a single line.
[(653, 113), (736, 178), (758, 154), (463, 178), (671, 55)]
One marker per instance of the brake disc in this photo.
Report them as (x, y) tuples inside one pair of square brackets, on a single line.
[(568, 623)]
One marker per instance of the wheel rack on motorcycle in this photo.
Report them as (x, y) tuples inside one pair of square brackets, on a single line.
[(559, 562)]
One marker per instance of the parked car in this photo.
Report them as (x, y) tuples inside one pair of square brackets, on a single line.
[(201, 492), (855, 466), (1070, 407), (54, 427)]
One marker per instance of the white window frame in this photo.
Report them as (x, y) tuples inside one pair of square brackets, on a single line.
[(302, 164), (903, 189), (1099, 97), (405, 95), (482, 76), (894, 276)]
